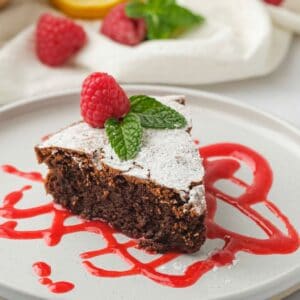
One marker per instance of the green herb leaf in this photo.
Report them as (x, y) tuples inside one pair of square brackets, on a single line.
[(164, 18), (136, 9), (154, 114), (125, 137)]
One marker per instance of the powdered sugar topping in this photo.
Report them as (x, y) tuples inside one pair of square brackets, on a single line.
[(167, 157)]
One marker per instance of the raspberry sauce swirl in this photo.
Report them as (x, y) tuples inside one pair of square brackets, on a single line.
[(221, 162)]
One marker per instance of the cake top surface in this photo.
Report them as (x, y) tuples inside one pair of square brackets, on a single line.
[(167, 157)]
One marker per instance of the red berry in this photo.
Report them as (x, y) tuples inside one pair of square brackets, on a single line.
[(123, 29), (274, 2), (57, 39), (102, 98)]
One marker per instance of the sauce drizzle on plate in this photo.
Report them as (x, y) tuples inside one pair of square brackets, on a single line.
[(221, 162)]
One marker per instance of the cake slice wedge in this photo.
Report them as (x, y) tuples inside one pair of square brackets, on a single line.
[(157, 197)]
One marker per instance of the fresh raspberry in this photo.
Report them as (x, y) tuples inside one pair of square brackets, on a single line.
[(102, 98), (123, 29), (57, 39)]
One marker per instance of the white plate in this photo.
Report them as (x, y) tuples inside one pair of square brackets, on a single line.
[(216, 119)]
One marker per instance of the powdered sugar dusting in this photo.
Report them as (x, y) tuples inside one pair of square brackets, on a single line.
[(79, 137), (167, 157)]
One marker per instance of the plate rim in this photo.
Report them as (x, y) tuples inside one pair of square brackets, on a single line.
[(268, 289), (166, 89)]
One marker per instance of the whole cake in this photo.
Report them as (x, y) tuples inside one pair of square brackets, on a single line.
[(156, 197)]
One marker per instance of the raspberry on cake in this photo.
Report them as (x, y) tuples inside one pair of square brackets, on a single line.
[(142, 173), (101, 99)]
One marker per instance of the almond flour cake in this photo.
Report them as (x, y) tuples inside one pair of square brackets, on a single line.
[(156, 197)]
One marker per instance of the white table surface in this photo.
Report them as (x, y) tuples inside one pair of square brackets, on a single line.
[(278, 93)]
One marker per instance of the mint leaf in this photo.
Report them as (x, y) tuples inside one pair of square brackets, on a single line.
[(154, 114), (136, 9), (125, 137), (164, 18), (182, 17)]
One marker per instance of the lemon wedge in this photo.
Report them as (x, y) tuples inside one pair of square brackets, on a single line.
[(88, 9)]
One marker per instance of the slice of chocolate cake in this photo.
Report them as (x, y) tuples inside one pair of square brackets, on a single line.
[(158, 197)]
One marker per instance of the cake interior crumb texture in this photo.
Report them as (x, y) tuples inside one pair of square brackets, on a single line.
[(157, 198)]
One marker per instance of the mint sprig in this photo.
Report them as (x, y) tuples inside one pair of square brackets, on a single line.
[(164, 18), (125, 136), (154, 114)]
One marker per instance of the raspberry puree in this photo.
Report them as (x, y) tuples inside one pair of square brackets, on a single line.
[(221, 162), (43, 270)]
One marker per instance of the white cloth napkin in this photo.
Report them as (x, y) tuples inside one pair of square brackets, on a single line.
[(239, 40)]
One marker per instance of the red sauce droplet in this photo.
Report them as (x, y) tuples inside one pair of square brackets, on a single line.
[(33, 176), (60, 287), (275, 2), (41, 269), (45, 281), (221, 162)]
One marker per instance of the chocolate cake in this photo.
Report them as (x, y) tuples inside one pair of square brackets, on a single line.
[(157, 198)]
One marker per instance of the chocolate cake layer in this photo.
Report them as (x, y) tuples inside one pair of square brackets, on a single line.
[(139, 208)]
